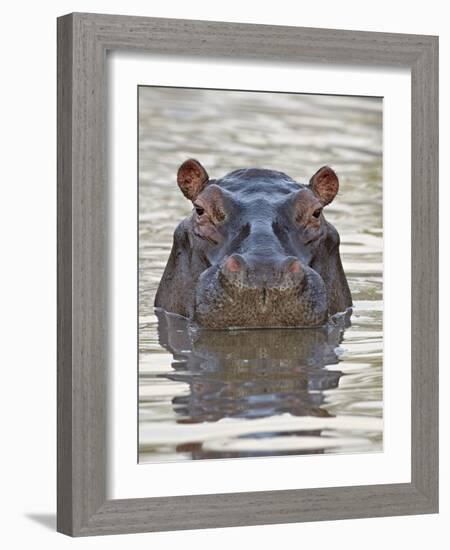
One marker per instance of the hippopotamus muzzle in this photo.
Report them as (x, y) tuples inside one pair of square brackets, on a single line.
[(269, 295)]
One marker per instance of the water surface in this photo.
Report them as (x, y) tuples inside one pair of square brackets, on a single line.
[(222, 394)]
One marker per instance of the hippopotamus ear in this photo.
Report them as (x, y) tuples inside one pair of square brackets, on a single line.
[(192, 178), (325, 184)]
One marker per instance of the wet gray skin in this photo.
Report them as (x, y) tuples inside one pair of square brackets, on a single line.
[(256, 252)]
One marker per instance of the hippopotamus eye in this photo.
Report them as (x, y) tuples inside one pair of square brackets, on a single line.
[(199, 209), (317, 212)]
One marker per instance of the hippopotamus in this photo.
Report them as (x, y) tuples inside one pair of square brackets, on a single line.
[(256, 252)]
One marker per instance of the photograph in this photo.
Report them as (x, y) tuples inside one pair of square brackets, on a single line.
[(226, 222), (260, 270)]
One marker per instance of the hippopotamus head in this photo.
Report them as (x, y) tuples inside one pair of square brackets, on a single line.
[(256, 251)]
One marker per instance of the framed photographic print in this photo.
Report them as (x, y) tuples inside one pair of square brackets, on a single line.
[(247, 274)]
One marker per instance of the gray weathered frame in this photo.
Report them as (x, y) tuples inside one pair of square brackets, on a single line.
[(83, 40)]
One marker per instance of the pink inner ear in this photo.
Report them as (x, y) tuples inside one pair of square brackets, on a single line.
[(325, 184), (191, 178)]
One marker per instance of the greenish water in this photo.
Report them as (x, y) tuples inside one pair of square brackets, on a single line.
[(270, 392)]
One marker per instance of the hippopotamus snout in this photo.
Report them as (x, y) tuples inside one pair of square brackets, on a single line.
[(241, 272), (260, 292)]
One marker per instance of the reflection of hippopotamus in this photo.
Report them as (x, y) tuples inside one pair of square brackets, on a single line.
[(251, 373), (256, 251)]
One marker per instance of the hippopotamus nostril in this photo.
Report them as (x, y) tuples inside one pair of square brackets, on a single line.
[(291, 265), (234, 263), (233, 273)]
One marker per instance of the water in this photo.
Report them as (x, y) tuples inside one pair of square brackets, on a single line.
[(264, 392)]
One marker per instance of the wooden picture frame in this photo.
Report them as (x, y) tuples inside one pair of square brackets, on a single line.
[(83, 41)]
